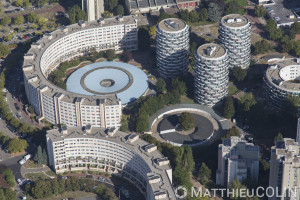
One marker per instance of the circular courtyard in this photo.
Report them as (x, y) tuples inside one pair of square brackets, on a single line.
[(126, 81)]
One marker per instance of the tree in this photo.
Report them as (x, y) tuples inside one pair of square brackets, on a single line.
[(2, 196), (120, 10), (273, 32), (8, 37), (32, 17), (19, 20), (236, 186), (187, 121), (9, 177), (24, 128), (4, 50), (152, 31), (239, 73), (295, 29), (126, 56), (178, 85), (110, 5), (5, 21), (278, 137), (42, 21), (39, 156), (17, 145), (247, 101), (204, 174), (124, 123), (142, 123), (76, 14), (143, 38), (228, 109), (110, 54), (213, 12), (203, 16), (194, 17), (261, 47), (160, 85), (10, 194), (18, 3), (233, 8), (260, 11)]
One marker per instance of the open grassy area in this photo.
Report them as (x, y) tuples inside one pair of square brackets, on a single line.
[(66, 195), (50, 173), (31, 164), (185, 99), (36, 176)]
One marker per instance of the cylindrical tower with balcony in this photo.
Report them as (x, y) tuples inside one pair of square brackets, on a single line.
[(211, 74), (172, 47), (235, 36)]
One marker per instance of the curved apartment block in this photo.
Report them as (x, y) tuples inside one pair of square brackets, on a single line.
[(112, 151), (211, 74), (59, 106), (235, 36), (282, 80), (172, 47)]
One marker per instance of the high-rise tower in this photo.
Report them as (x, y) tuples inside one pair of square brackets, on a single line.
[(172, 47), (211, 74), (93, 8), (235, 36)]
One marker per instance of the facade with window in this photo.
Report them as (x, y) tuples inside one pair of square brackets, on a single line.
[(111, 151)]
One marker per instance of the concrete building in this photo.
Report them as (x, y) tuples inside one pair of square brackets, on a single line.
[(59, 106), (211, 74), (285, 170), (237, 159), (145, 6), (281, 80), (96, 149), (93, 9), (235, 36), (172, 47)]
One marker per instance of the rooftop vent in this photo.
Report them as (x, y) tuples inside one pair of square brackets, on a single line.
[(64, 130), (153, 178), (132, 138), (111, 131), (210, 50), (120, 18), (171, 24), (162, 161), (88, 128), (234, 20), (82, 23), (150, 148)]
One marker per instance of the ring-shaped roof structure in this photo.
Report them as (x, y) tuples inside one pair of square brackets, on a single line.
[(126, 81)]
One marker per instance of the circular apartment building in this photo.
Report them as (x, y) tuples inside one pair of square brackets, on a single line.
[(59, 106), (211, 74), (172, 47), (282, 79), (235, 36), (114, 152)]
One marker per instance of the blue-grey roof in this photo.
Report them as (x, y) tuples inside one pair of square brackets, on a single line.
[(130, 82)]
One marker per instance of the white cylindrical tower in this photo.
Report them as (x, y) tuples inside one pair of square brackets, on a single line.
[(235, 36), (211, 74), (172, 47)]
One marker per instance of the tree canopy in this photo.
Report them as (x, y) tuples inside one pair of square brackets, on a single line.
[(247, 101), (187, 121), (228, 108), (239, 73), (143, 38), (213, 12), (160, 85), (76, 14), (17, 145), (4, 50)]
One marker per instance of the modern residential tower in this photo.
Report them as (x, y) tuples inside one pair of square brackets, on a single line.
[(235, 36), (93, 8), (285, 170), (172, 47), (237, 159), (211, 74)]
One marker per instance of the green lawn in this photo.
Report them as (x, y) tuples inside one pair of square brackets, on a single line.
[(31, 164), (36, 176), (185, 99)]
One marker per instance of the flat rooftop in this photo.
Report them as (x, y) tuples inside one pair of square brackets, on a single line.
[(172, 24), (273, 76), (281, 13), (211, 50), (234, 20)]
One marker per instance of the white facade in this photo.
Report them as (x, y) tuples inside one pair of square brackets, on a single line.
[(235, 36), (172, 47), (114, 152), (59, 106), (285, 170), (237, 159), (211, 74)]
